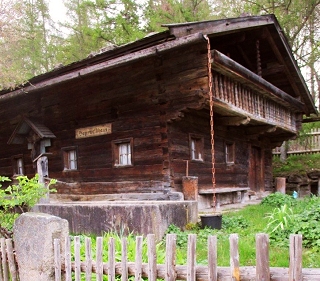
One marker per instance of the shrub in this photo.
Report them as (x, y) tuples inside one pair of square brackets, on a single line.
[(308, 224), (18, 198), (280, 224), (234, 222), (277, 200)]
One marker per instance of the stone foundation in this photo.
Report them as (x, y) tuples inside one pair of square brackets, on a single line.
[(140, 217)]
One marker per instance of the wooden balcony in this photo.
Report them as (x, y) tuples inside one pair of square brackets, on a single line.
[(242, 94)]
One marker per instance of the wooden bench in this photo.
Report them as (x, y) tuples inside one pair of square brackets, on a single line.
[(236, 192)]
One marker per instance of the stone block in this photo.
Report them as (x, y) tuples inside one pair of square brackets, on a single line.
[(140, 217), (34, 234)]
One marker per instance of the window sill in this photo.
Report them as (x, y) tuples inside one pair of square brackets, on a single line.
[(122, 166), (197, 160), (70, 170)]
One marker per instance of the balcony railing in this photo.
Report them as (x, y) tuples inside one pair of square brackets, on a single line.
[(247, 94), (249, 102)]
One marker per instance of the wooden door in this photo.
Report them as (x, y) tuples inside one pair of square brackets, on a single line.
[(256, 170)]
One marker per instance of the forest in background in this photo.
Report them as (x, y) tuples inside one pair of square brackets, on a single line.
[(32, 42)]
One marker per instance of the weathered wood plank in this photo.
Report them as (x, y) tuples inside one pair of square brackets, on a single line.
[(111, 259), (11, 260), (88, 258), (138, 259), (124, 259), (234, 257), (295, 267), (212, 258), (4, 259), (191, 257), (152, 258), (170, 262), (262, 257), (57, 260), (67, 261), (99, 258), (77, 258)]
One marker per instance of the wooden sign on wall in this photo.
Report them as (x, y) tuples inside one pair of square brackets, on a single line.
[(93, 131)]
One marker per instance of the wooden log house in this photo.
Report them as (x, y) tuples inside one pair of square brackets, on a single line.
[(127, 120)]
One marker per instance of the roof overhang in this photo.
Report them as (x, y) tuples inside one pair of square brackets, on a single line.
[(22, 130)]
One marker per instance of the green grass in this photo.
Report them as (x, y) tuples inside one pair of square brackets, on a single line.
[(246, 222), (256, 217)]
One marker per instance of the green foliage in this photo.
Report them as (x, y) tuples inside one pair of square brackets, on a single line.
[(234, 222), (295, 164), (18, 198), (278, 199), (308, 222), (254, 216), (280, 223), (159, 12)]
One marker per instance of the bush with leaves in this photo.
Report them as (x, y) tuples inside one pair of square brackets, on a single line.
[(308, 222), (280, 224), (234, 222), (19, 198), (278, 199)]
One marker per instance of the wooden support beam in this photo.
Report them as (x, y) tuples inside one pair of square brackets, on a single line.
[(221, 63), (258, 130), (215, 28), (280, 58), (273, 69), (233, 121)]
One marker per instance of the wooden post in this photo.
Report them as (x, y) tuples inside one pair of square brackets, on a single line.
[(170, 264), (68, 259), (281, 185), (234, 257), (4, 259), (212, 258), (77, 260), (124, 259), (190, 188), (88, 262), (138, 259), (295, 267), (11, 260), (42, 170), (111, 260), (191, 257), (57, 260), (99, 261), (152, 258), (262, 257)]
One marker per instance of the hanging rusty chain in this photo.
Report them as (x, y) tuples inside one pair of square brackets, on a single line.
[(211, 119)]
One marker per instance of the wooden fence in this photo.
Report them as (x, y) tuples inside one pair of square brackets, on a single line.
[(8, 268), (309, 143), (75, 269)]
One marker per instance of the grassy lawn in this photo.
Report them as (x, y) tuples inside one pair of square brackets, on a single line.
[(246, 223), (303, 216)]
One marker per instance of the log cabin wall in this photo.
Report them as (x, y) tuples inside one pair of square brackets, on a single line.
[(236, 174), (137, 99)]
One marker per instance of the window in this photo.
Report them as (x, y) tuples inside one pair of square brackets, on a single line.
[(18, 165), (122, 152), (230, 152), (70, 160), (196, 148)]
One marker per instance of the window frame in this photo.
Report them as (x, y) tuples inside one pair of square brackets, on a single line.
[(66, 158), (198, 148), (15, 161), (116, 145), (230, 157)]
